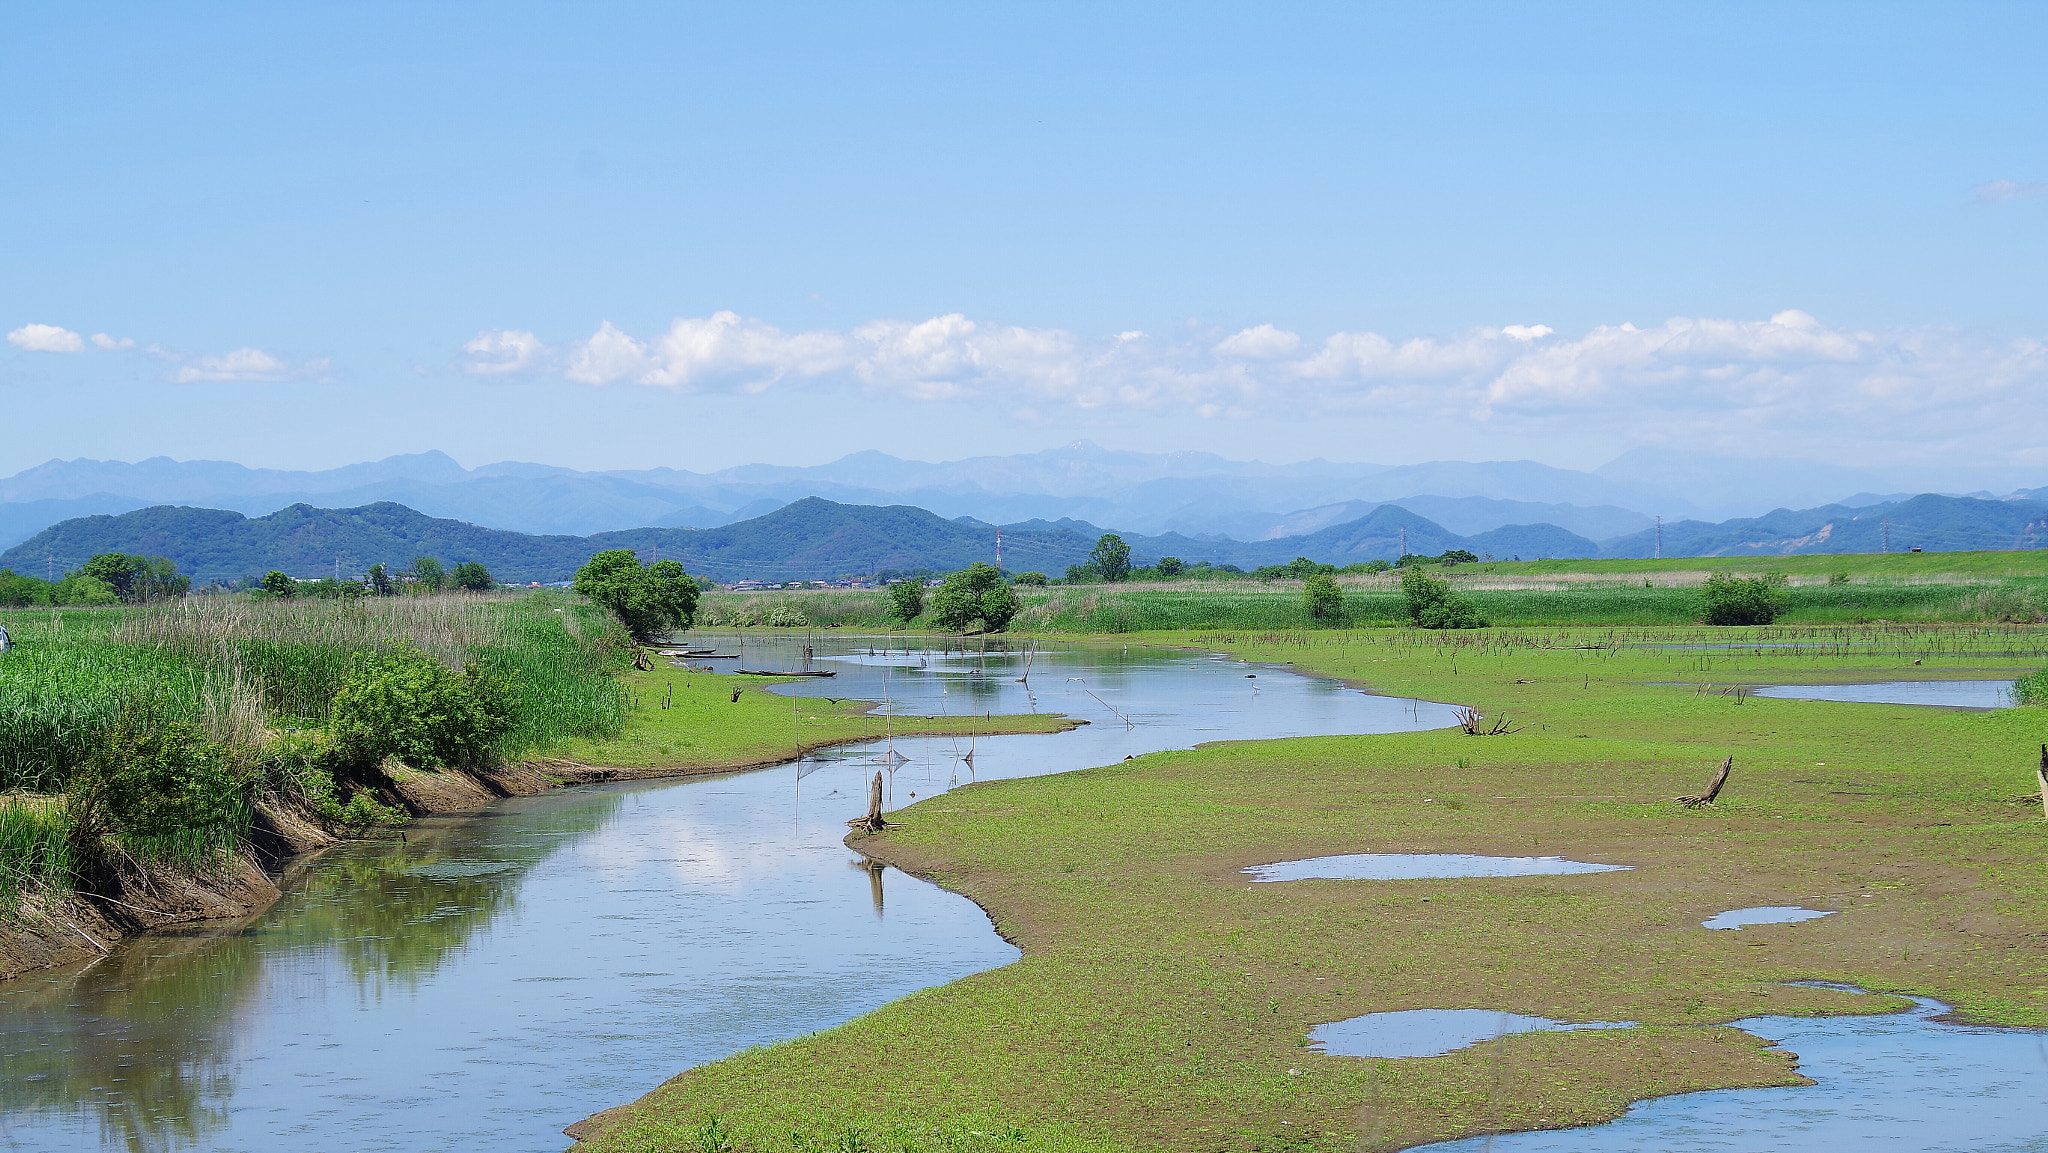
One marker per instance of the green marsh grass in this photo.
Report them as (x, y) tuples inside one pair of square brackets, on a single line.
[(1163, 1002)]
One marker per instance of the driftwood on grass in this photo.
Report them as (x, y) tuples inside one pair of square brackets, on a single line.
[(2043, 771), (640, 660), (1713, 790), (1470, 720), (872, 822)]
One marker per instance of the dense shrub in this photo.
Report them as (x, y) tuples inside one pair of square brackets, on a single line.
[(1432, 604), (906, 600), (1734, 600), (1324, 600), (647, 599), (404, 704), (161, 785), (975, 593)]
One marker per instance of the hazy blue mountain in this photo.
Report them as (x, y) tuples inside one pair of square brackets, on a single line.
[(1192, 501), (20, 521), (1929, 521), (1472, 514)]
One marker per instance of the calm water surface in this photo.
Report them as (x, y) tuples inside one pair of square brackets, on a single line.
[(499, 975)]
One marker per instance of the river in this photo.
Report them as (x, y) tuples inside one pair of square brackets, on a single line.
[(497, 975)]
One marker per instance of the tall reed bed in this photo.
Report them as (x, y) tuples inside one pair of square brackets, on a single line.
[(256, 679)]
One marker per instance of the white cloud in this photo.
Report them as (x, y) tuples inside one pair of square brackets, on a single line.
[(46, 338), (245, 365), (1264, 342), (1999, 190), (500, 350), (1782, 384), (112, 343)]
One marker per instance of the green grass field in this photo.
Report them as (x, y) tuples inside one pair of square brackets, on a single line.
[(1163, 1003), (1974, 587)]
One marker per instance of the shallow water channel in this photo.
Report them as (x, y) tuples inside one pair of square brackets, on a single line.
[(498, 975)]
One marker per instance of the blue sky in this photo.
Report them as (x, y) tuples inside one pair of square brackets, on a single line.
[(1388, 233)]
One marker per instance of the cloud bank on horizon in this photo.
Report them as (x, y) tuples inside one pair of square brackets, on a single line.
[(1780, 384)]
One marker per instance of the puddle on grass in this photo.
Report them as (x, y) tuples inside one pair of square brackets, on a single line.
[(1943, 694), (1432, 1032), (1899, 1081), (1417, 866), (1762, 915)]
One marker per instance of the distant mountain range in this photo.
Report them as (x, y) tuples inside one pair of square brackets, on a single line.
[(814, 538), (1192, 494)]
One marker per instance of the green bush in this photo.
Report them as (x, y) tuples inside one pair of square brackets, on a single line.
[(646, 599), (403, 704), (1431, 603), (1035, 579), (2032, 690), (160, 785), (975, 593), (471, 576), (1324, 600), (1734, 600)]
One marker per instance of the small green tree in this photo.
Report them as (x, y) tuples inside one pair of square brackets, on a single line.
[(472, 576), (277, 584), (1734, 600), (1170, 567), (137, 579), (80, 589), (381, 583), (1324, 599), (975, 593), (427, 574), (1457, 556), (646, 599), (1432, 604), (906, 600), (1033, 579), (1111, 558)]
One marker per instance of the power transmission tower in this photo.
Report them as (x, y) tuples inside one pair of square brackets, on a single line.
[(1660, 538), (1886, 530), (999, 550), (53, 567), (1404, 540)]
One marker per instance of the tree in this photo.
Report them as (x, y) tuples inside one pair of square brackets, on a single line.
[(647, 600), (1734, 600), (277, 584), (1457, 556), (1433, 605), (381, 583), (428, 574), (1324, 599), (1033, 579), (975, 593), (137, 579), (1170, 567), (1111, 558), (472, 576), (906, 600)]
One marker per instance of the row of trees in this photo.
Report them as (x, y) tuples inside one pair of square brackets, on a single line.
[(425, 577), (108, 578)]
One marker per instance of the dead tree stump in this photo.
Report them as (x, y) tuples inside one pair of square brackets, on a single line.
[(1721, 778), (873, 822), (641, 662)]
